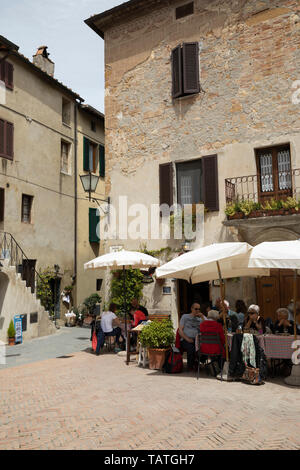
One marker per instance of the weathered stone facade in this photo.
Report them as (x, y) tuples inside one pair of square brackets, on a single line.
[(249, 60)]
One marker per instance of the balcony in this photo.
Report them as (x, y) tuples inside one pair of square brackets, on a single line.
[(264, 195)]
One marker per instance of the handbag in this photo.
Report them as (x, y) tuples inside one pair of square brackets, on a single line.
[(94, 341), (251, 375)]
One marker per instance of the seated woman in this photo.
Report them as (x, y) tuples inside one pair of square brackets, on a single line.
[(110, 325), (283, 324), (253, 321), (241, 311)]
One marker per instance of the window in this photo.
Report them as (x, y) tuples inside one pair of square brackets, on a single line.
[(184, 10), (274, 172), (65, 160), (189, 176), (93, 126), (90, 155), (99, 284), (197, 181), (34, 317), (66, 111), (6, 139), (7, 74), (26, 208), (185, 70), (1, 204)]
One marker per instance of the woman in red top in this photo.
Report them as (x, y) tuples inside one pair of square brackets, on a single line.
[(213, 327), (138, 317)]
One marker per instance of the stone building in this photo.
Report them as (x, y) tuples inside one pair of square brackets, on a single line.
[(201, 105), (43, 213)]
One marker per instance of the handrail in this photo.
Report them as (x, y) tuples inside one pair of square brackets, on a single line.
[(9, 245)]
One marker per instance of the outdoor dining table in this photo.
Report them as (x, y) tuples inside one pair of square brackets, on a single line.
[(274, 346)]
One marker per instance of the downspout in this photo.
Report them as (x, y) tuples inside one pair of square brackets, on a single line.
[(75, 205)]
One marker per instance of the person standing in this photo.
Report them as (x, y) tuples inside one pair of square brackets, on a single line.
[(188, 330)]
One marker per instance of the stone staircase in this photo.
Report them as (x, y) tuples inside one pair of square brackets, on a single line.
[(17, 299)]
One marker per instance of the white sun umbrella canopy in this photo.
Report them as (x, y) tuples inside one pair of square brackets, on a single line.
[(201, 265), (276, 255), (123, 259)]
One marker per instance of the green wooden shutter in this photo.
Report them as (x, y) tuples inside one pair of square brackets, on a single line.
[(86, 158), (94, 220), (102, 161)]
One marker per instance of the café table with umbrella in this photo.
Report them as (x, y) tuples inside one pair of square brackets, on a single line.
[(216, 261), (280, 255), (124, 260)]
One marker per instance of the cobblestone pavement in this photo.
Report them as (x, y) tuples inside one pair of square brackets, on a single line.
[(82, 401), (64, 341)]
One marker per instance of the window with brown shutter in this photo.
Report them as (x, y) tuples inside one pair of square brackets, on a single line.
[(166, 184), (185, 70), (7, 74), (1, 204), (26, 208), (210, 182), (6, 139)]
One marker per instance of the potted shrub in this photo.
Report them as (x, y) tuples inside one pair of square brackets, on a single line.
[(11, 333), (158, 337)]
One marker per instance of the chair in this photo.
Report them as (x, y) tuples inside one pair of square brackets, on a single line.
[(210, 338), (109, 341)]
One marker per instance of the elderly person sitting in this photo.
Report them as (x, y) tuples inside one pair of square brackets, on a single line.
[(211, 326), (254, 321), (283, 324), (188, 330)]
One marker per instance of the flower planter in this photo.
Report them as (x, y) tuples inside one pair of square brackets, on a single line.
[(156, 358), (237, 215), (11, 341), (295, 211)]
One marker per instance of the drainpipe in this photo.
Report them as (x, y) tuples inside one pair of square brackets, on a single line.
[(75, 205)]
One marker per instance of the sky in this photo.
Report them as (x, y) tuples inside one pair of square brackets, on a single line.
[(78, 52)]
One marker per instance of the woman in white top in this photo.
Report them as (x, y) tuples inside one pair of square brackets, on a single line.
[(110, 325)]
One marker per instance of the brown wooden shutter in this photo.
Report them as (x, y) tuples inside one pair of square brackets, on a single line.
[(166, 184), (176, 72), (190, 64), (210, 182), (2, 137), (2, 70), (9, 140), (9, 75), (1, 204)]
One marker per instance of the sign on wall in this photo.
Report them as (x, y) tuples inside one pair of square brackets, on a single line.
[(18, 328)]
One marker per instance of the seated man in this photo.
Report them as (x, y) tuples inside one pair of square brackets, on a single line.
[(110, 325), (212, 326), (138, 317), (283, 324), (136, 306), (188, 330)]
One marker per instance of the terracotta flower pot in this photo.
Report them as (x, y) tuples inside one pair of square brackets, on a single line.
[(156, 358), (11, 341)]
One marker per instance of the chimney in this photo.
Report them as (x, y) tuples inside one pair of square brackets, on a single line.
[(41, 60)]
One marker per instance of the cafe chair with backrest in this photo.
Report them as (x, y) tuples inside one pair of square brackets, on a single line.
[(207, 338)]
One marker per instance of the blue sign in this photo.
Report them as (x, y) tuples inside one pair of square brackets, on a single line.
[(18, 328)]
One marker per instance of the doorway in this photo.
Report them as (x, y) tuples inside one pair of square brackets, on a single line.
[(55, 289), (190, 293), (276, 291), (28, 273)]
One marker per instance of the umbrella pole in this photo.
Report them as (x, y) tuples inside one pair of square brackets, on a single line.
[(222, 287), (294, 378), (124, 291)]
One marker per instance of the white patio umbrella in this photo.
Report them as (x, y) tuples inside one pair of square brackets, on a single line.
[(280, 255), (125, 260), (216, 261)]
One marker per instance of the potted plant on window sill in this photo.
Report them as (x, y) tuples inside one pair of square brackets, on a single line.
[(11, 333), (158, 337)]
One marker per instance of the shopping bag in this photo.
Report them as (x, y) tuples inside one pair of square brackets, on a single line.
[(94, 341)]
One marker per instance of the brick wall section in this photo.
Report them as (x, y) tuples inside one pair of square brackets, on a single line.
[(249, 58)]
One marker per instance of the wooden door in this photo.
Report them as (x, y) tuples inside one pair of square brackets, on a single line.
[(276, 291), (268, 294)]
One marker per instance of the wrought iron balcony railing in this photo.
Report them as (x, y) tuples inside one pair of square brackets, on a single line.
[(260, 188)]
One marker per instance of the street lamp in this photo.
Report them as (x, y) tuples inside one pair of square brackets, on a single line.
[(89, 183)]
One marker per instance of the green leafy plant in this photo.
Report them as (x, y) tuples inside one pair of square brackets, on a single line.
[(247, 207), (157, 335), (44, 291), (231, 209), (11, 332), (290, 203), (133, 287), (90, 302)]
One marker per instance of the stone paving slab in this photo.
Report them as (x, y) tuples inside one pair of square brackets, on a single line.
[(90, 402)]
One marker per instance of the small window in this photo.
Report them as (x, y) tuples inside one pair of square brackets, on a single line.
[(189, 177), (99, 284), (26, 208), (66, 111), (185, 10), (7, 74), (93, 126), (185, 70), (90, 156), (34, 317), (65, 157), (1, 204), (6, 139)]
